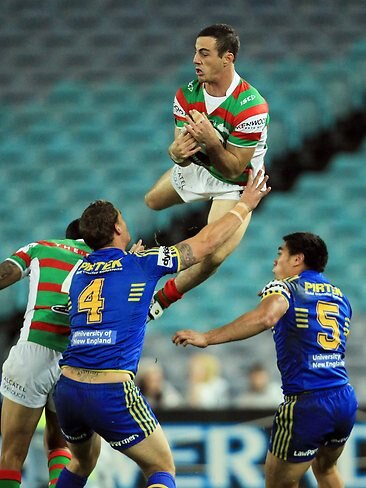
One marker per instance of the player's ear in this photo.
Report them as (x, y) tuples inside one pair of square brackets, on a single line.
[(228, 58), (300, 258), (117, 229)]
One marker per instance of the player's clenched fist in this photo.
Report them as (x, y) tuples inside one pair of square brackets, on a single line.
[(187, 336)]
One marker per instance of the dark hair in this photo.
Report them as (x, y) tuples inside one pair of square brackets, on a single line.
[(312, 246), (97, 224), (226, 38), (72, 230)]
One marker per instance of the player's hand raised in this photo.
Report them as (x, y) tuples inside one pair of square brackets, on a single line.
[(187, 336), (137, 247), (255, 190)]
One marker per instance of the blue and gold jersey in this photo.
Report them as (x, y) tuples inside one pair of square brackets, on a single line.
[(110, 295), (311, 336)]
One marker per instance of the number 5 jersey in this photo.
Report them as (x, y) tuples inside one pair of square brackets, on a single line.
[(311, 337)]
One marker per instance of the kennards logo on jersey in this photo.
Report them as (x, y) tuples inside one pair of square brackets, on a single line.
[(256, 123), (165, 257)]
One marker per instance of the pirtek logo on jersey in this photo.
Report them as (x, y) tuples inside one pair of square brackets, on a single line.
[(100, 266)]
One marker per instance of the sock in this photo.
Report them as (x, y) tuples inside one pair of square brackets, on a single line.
[(10, 478), (67, 479), (57, 460), (168, 294), (161, 479)]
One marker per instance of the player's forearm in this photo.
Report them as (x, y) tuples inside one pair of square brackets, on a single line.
[(173, 156), (217, 233), (224, 161), (9, 274), (248, 325), (210, 238)]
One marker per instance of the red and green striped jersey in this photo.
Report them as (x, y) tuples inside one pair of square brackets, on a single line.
[(48, 264), (241, 119)]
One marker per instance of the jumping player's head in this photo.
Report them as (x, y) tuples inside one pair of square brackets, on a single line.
[(300, 251), (73, 231), (226, 38), (215, 52), (102, 225)]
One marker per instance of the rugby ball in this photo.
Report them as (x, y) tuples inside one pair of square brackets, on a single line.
[(201, 158)]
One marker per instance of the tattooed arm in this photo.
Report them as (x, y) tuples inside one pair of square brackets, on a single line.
[(187, 258), (195, 249), (9, 274)]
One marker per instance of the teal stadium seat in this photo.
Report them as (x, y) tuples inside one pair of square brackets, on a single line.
[(68, 94)]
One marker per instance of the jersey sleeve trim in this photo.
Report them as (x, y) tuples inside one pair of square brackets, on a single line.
[(276, 287), (24, 271), (175, 250)]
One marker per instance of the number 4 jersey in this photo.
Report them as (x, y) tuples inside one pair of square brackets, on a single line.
[(48, 264), (311, 337), (110, 295)]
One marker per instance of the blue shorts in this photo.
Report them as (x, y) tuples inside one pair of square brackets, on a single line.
[(307, 421), (118, 412)]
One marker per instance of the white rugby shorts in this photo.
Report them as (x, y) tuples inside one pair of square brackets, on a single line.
[(194, 183), (29, 375)]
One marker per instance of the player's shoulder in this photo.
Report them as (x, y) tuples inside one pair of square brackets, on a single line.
[(75, 243), (247, 95), (162, 255), (29, 248), (72, 245), (191, 88), (157, 251), (275, 287)]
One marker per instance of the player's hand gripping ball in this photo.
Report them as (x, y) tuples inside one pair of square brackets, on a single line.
[(201, 158)]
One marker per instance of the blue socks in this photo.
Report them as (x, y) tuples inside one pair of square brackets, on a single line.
[(67, 479), (160, 480)]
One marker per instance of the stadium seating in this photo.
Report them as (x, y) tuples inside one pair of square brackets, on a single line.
[(86, 91)]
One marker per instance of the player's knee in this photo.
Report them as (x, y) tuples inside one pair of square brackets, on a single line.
[(83, 467), (322, 467), (84, 461), (151, 201), (14, 460), (163, 465)]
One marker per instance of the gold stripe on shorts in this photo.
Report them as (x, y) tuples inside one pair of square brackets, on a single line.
[(138, 409), (284, 421)]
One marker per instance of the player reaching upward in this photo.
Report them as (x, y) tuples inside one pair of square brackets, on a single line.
[(110, 295), (310, 320), (220, 133), (32, 369)]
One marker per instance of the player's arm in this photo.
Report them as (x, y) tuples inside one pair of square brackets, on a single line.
[(183, 147), (206, 242), (263, 317), (9, 274)]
